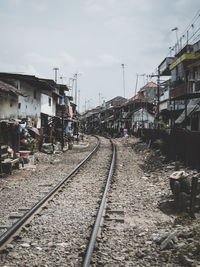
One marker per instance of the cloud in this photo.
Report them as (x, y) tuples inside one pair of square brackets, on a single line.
[(107, 59), (29, 69)]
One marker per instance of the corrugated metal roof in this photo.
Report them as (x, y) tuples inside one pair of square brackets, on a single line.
[(9, 89)]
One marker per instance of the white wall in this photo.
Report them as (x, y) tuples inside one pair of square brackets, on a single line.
[(142, 115), (8, 107), (30, 106), (45, 107), (163, 105), (165, 96)]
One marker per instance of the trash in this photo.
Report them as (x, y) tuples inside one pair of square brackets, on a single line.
[(179, 174), (47, 148)]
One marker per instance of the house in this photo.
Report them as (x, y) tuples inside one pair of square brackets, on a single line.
[(185, 89), (149, 91), (163, 98), (29, 107), (8, 115), (40, 103), (116, 101), (8, 101), (143, 118)]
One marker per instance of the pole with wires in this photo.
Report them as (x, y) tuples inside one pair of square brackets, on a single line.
[(123, 73)]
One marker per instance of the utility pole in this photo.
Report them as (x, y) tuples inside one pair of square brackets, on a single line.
[(136, 84), (62, 136), (56, 73), (100, 99), (176, 30), (75, 78), (71, 85), (158, 93), (76, 86), (79, 98), (123, 73)]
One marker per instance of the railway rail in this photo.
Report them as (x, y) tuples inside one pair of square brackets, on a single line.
[(96, 226), (53, 192), (15, 227)]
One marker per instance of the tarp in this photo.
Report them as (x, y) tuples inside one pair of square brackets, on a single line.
[(35, 130), (70, 111)]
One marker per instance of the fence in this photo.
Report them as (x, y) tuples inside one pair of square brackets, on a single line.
[(178, 144)]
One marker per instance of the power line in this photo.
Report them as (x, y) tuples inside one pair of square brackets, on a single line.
[(192, 22), (194, 34)]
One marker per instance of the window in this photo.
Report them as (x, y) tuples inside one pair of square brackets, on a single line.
[(19, 105), (49, 101), (34, 94)]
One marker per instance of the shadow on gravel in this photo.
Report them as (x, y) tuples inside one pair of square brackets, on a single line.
[(167, 205)]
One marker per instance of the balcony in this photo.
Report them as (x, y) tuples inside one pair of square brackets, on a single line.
[(178, 89), (62, 110)]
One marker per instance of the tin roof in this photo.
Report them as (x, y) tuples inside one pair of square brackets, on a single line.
[(9, 89)]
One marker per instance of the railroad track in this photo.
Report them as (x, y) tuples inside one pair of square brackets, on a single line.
[(81, 210), (15, 227)]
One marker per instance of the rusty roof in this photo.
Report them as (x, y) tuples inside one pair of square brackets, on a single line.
[(148, 85), (139, 95)]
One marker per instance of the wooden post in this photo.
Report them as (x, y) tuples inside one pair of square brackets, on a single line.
[(193, 196)]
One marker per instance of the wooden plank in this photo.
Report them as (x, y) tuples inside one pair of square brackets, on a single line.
[(14, 161), (6, 161), (4, 146), (4, 155)]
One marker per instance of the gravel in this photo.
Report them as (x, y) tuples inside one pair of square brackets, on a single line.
[(59, 233), (19, 191), (141, 226)]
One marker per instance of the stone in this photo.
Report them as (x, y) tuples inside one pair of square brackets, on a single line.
[(139, 254), (168, 240), (39, 248), (25, 245), (186, 261), (9, 246)]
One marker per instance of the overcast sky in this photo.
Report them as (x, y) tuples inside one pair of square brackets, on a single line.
[(93, 38)]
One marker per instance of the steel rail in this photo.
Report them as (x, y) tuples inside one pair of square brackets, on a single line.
[(13, 229), (90, 248)]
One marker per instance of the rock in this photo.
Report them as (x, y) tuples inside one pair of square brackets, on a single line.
[(51, 244), (186, 261), (190, 240), (159, 238), (170, 167), (140, 254), (25, 245), (62, 244), (144, 178), (180, 245), (14, 255), (148, 242), (168, 240), (9, 246), (39, 248), (56, 161)]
